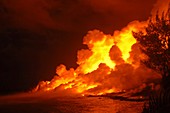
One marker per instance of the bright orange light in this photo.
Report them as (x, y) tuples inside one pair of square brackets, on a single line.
[(107, 65)]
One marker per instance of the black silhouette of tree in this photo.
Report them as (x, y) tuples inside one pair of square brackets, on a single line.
[(155, 43)]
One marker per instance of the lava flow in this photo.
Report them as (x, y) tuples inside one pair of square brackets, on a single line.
[(110, 64)]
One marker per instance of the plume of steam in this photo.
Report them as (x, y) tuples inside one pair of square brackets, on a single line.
[(111, 63), (102, 68)]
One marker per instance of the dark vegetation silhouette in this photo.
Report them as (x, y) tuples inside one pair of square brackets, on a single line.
[(155, 43)]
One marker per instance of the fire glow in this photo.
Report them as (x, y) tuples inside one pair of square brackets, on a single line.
[(110, 64)]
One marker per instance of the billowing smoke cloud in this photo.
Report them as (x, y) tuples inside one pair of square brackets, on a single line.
[(111, 63)]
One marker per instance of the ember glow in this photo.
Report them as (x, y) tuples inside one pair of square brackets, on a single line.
[(110, 64)]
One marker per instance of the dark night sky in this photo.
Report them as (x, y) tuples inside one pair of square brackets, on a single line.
[(38, 35)]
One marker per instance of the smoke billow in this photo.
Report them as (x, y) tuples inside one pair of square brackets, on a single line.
[(111, 63)]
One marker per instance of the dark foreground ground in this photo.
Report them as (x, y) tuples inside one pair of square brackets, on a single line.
[(49, 103)]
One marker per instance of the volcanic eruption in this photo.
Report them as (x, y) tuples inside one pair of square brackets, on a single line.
[(110, 63)]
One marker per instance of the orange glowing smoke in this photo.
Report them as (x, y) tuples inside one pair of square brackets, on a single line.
[(110, 64)]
